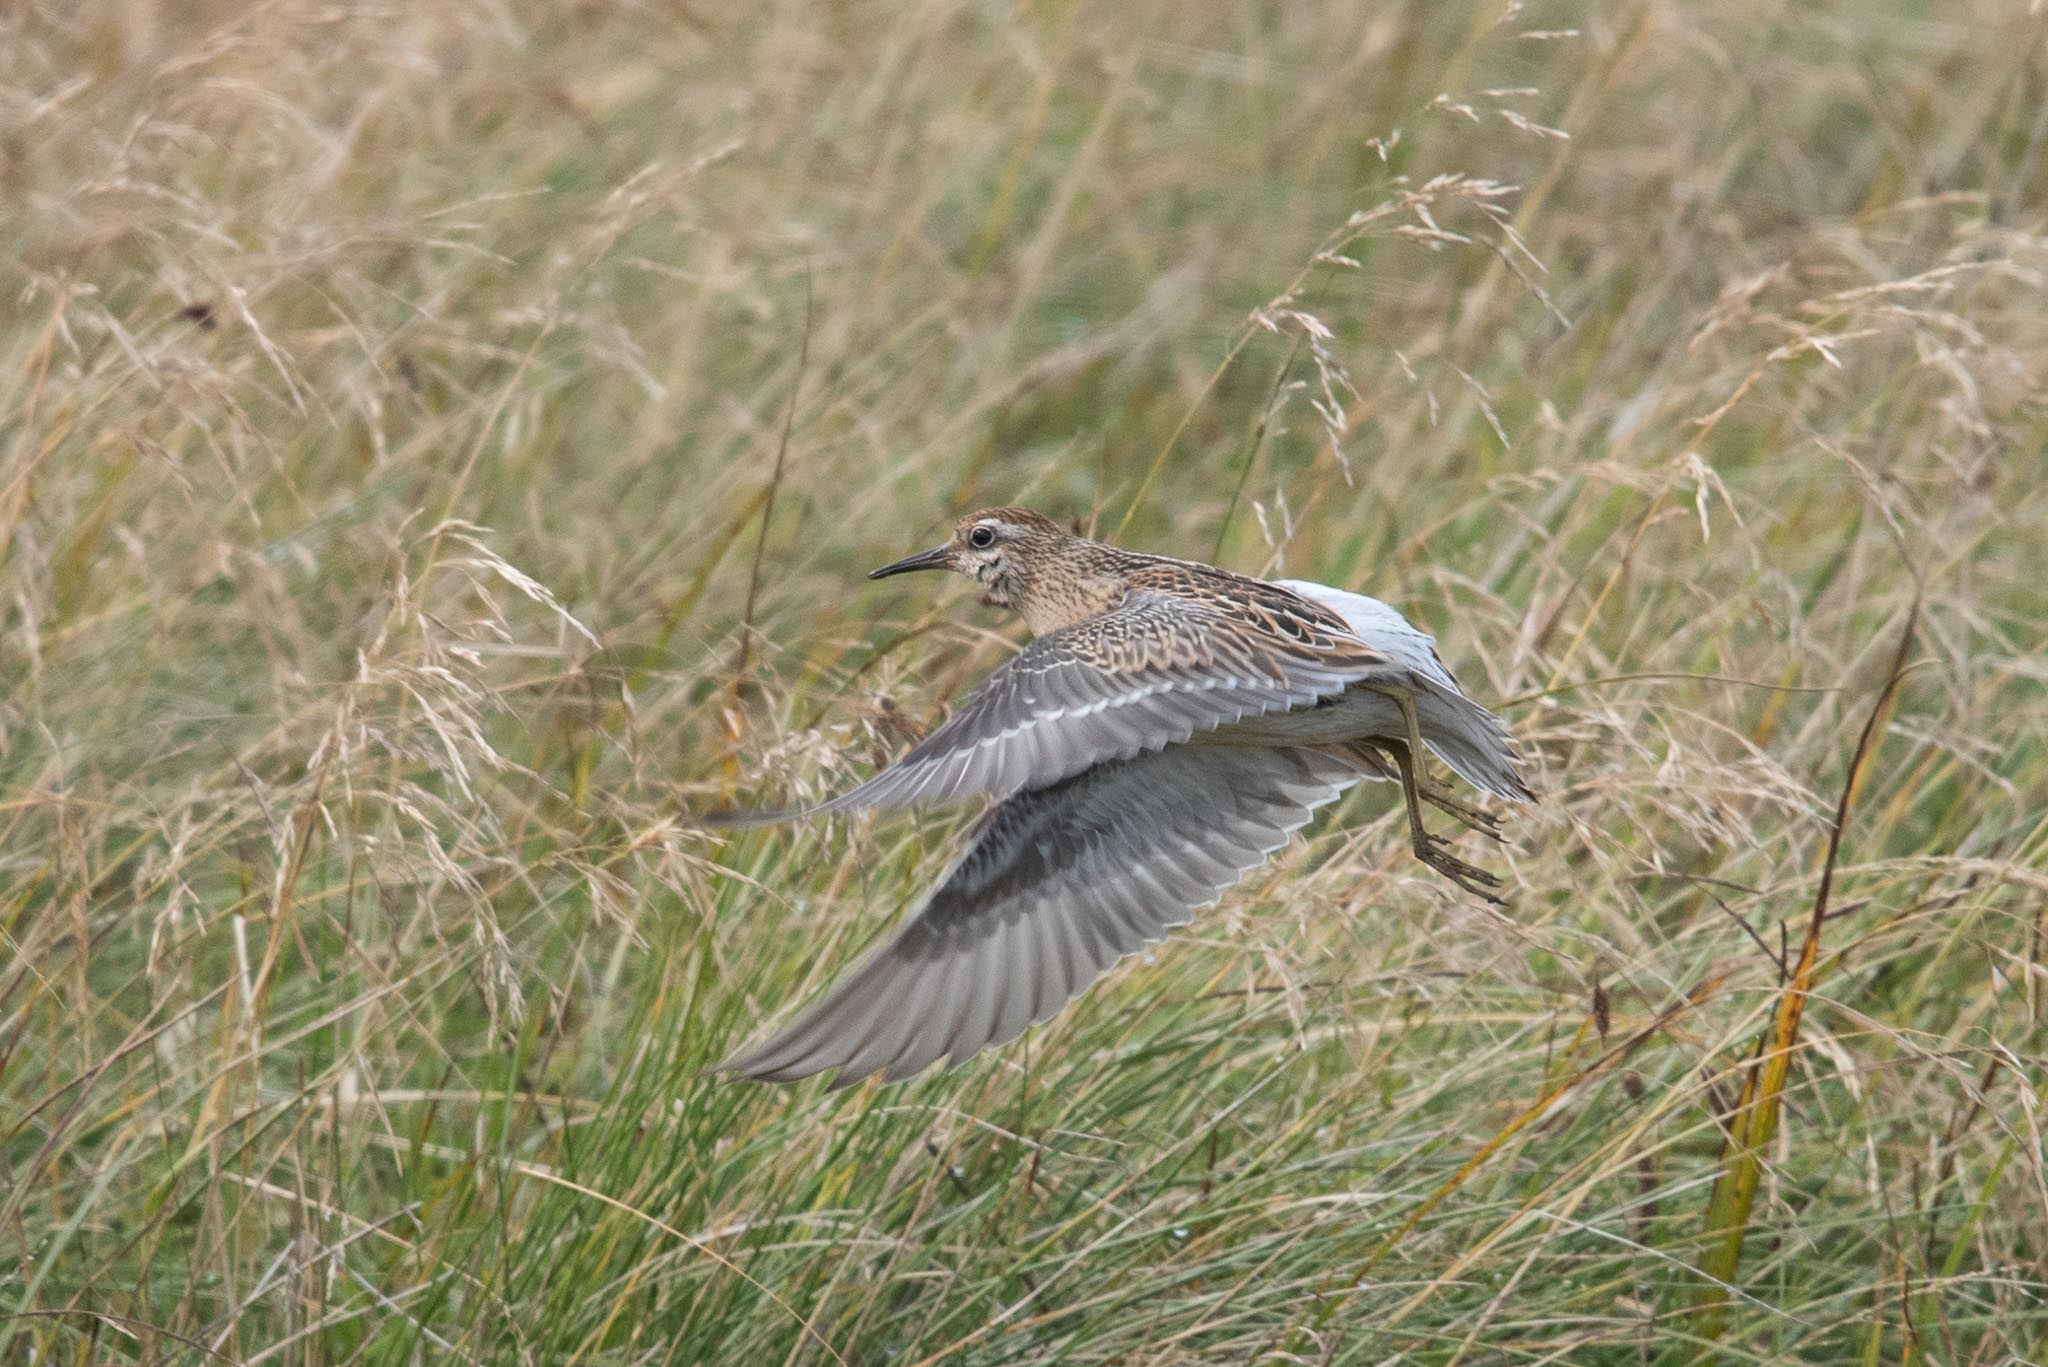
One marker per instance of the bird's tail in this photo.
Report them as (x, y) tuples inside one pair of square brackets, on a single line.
[(1473, 742)]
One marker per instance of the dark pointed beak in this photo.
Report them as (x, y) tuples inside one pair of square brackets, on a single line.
[(933, 559)]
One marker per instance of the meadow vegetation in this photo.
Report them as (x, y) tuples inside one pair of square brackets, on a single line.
[(439, 450)]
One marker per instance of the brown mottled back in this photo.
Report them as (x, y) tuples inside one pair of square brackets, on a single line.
[(1055, 579)]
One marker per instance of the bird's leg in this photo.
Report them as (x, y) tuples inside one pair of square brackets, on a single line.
[(1434, 850), (1430, 849), (1438, 796), (1435, 794)]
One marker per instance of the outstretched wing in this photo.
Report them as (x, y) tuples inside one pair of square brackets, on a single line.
[(1059, 884), (1148, 674)]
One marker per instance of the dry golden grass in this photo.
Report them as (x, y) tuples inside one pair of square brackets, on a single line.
[(392, 403)]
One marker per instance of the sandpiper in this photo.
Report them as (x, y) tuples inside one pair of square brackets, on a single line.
[(1167, 729)]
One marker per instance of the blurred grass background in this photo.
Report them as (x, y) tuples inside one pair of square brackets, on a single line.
[(390, 400)]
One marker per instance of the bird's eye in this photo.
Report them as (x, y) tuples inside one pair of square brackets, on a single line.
[(981, 538)]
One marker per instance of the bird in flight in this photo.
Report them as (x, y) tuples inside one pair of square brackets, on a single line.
[(1166, 730)]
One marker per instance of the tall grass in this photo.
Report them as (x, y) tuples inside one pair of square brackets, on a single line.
[(392, 404)]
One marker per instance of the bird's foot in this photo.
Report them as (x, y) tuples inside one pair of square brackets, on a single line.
[(1435, 851), (1484, 822)]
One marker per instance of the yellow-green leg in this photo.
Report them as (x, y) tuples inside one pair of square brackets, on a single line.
[(1430, 849), (1438, 796)]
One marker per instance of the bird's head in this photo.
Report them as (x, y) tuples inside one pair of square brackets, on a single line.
[(1005, 550)]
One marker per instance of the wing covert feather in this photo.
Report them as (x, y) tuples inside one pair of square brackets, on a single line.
[(1145, 676)]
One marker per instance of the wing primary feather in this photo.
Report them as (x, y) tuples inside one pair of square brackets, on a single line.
[(1057, 885)]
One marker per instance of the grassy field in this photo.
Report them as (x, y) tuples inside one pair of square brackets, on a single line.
[(439, 449)]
